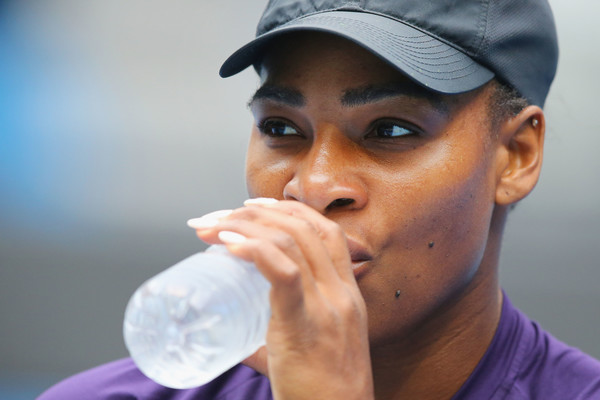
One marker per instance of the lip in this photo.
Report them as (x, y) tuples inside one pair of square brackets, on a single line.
[(359, 255)]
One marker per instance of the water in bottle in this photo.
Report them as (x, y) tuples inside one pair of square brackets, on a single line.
[(195, 320)]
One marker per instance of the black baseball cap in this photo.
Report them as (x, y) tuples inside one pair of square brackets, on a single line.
[(448, 46)]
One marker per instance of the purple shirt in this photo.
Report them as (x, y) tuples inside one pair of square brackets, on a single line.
[(523, 362)]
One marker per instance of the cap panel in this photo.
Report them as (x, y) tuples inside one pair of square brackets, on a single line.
[(280, 12), (523, 49)]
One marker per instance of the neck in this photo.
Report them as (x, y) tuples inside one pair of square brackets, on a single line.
[(435, 361)]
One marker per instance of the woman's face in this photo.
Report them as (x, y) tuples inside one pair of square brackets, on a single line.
[(408, 174)]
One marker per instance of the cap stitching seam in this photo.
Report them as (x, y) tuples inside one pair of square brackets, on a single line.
[(482, 26), (422, 30), (312, 3)]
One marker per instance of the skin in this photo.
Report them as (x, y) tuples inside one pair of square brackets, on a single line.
[(383, 251)]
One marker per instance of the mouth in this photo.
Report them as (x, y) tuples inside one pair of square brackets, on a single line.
[(359, 255)]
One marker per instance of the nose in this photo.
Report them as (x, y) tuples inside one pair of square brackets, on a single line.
[(327, 176)]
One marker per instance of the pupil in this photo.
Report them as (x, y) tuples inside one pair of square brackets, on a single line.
[(392, 131), (387, 131), (278, 129)]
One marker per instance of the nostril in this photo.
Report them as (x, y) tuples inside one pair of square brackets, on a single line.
[(340, 203)]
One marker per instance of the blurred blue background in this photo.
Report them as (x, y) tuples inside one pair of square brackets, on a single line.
[(115, 129)]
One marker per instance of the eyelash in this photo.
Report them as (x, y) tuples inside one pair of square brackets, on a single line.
[(267, 125), (406, 129)]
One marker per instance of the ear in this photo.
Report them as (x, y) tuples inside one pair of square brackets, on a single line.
[(520, 151)]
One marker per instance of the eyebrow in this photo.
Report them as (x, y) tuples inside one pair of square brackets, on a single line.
[(279, 94), (352, 97), (373, 93)]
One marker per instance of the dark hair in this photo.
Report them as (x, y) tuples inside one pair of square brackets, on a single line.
[(504, 103)]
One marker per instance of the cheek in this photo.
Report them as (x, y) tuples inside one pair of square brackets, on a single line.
[(461, 224), (265, 176), (435, 244), (443, 229), (460, 218), (441, 232)]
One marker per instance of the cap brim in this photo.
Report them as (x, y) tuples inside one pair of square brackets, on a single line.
[(423, 58)]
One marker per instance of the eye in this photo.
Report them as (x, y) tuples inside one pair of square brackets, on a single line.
[(390, 129), (277, 128)]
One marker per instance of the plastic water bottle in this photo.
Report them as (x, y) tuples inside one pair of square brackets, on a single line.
[(195, 320)]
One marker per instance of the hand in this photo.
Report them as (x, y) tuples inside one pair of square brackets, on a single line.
[(258, 361), (317, 342)]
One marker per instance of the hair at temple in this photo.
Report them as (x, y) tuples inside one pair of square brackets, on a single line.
[(505, 102)]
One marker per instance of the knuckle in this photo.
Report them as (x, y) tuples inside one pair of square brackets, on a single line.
[(292, 205), (346, 306), (284, 241), (331, 229), (306, 227), (254, 247), (349, 308), (284, 272), (290, 277), (248, 213)]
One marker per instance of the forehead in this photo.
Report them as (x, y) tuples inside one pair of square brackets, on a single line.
[(304, 55), (300, 64)]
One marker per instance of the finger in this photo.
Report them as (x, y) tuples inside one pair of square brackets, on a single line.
[(283, 265), (258, 361), (294, 233), (235, 231), (261, 201), (329, 233), (208, 220), (288, 284), (205, 225), (322, 241)]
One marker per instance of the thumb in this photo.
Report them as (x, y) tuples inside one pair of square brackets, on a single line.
[(258, 361)]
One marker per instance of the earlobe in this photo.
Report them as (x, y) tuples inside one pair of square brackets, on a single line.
[(521, 145)]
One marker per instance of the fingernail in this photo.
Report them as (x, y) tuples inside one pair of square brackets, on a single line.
[(209, 220), (261, 201), (229, 237)]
